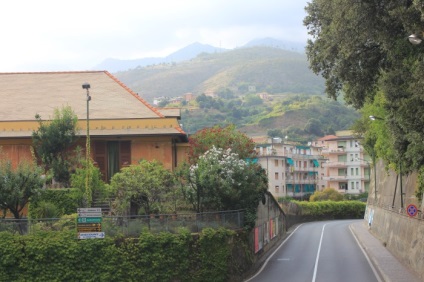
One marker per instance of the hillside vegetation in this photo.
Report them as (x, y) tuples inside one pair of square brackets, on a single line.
[(268, 69), (300, 117), (296, 107)]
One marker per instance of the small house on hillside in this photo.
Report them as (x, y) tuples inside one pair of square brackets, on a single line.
[(123, 128)]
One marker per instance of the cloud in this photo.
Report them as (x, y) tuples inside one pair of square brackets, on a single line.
[(64, 35)]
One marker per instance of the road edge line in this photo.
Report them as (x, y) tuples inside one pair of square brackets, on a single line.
[(271, 255)]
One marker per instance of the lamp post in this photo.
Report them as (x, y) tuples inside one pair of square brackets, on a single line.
[(373, 118), (86, 86), (415, 39)]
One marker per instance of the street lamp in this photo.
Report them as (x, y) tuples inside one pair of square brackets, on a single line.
[(86, 86), (375, 118), (415, 39)]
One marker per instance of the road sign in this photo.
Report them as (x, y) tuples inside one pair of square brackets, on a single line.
[(89, 210), (89, 214), (91, 235), (412, 210), (89, 219), (89, 229)]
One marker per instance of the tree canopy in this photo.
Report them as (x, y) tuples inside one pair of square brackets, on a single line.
[(361, 48), (326, 194), (226, 137), (52, 141), (220, 180), (17, 185), (141, 188)]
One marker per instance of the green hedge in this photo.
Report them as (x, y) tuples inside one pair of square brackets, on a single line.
[(60, 256), (332, 209), (67, 200)]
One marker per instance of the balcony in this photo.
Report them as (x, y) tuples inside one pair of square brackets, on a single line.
[(335, 164), (340, 150), (335, 178)]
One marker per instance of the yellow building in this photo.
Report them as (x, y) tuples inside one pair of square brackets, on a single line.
[(123, 128)]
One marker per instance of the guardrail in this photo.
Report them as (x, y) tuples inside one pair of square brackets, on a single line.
[(132, 225)]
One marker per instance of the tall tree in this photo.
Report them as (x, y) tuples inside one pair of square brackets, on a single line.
[(361, 48), (52, 142), (221, 137)]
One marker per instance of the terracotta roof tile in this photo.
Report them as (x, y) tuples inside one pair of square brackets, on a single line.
[(23, 95)]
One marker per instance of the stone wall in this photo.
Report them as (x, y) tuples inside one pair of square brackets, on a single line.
[(388, 220)]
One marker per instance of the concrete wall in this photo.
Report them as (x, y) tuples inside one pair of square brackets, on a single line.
[(388, 220), (269, 232)]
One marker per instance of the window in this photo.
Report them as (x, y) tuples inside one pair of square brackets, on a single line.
[(276, 176), (351, 171), (276, 162), (352, 185), (357, 185), (277, 189), (357, 171)]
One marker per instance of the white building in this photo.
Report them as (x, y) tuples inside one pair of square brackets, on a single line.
[(347, 166)]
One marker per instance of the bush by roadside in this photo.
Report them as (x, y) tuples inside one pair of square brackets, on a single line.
[(54, 256)]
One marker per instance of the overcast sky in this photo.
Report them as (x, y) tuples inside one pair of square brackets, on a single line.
[(52, 35)]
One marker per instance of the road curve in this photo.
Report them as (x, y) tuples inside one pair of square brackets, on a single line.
[(325, 251)]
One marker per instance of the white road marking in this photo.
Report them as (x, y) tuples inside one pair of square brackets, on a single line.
[(319, 250)]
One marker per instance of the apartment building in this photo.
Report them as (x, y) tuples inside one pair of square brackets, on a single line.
[(293, 170), (347, 166)]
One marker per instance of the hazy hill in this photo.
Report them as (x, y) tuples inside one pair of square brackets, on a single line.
[(186, 53), (268, 69)]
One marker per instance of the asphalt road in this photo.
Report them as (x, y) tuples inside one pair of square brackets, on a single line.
[(318, 252)]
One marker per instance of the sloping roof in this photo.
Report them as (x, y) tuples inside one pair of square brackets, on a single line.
[(170, 112), (327, 137), (114, 109), (23, 95)]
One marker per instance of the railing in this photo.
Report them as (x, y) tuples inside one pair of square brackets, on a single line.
[(132, 225)]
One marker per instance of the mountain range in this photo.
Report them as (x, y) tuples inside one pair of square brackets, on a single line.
[(189, 52)]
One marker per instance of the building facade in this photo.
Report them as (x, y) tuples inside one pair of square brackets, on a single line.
[(334, 161), (123, 128), (293, 170), (347, 166)]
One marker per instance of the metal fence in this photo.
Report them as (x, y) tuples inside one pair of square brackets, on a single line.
[(132, 226)]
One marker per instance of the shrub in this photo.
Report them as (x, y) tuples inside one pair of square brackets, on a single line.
[(332, 210), (66, 200), (53, 256)]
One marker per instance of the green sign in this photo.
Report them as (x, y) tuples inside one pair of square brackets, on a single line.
[(89, 219)]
